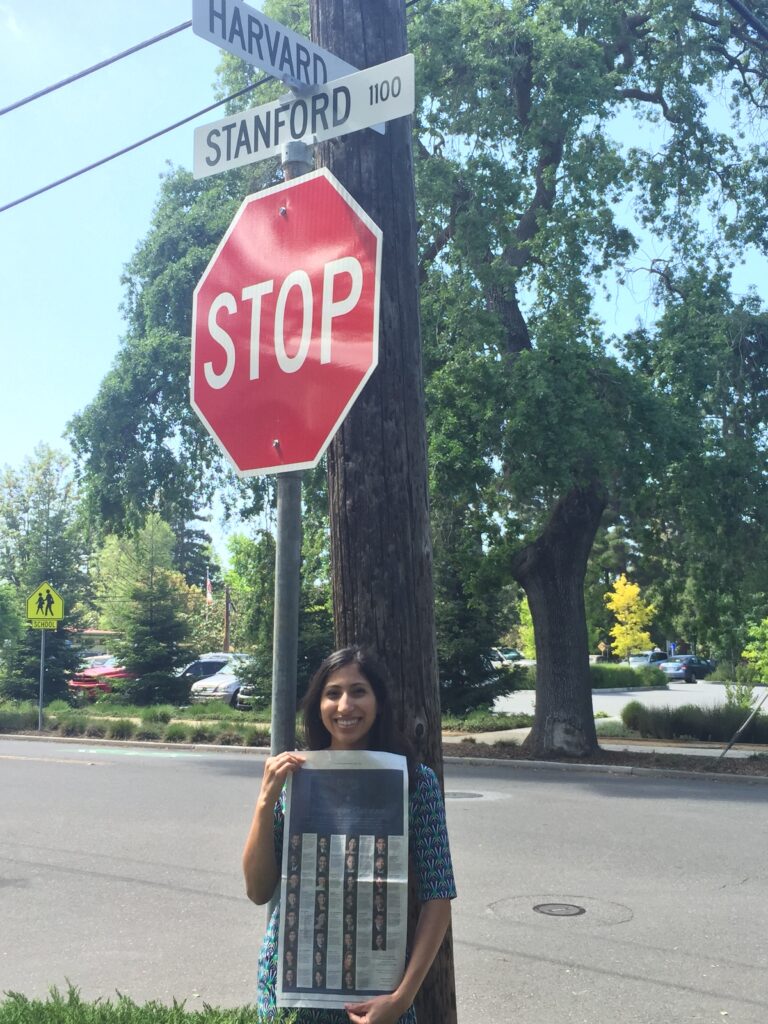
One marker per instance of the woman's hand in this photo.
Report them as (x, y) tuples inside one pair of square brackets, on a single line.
[(276, 771), (379, 1010), (260, 867)]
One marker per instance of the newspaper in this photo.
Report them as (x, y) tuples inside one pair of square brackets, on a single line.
[(344, 879)]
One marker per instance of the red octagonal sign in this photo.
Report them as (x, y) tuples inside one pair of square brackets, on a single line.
[(285, 324)]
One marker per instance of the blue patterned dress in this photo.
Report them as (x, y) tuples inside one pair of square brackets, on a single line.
[(430, 858)]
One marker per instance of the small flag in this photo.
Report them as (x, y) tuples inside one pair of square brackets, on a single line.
[(208, 589)]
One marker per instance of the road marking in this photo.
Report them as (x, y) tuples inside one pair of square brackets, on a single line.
[(49, 760)]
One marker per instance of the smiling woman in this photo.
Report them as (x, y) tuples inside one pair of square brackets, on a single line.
[(347, 707)]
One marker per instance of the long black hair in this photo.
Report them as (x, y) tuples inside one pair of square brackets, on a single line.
[(384, 734)]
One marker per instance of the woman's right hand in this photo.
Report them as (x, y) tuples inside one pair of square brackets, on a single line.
[(276, 771)]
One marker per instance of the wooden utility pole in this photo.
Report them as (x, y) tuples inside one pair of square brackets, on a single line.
[(381, 551)]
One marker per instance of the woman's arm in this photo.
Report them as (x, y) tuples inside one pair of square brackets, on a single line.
[(432, 924), (260, 866)]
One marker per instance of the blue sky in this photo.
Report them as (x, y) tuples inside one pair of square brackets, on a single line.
[(61, 254)]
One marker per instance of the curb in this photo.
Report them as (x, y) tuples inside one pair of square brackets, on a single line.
[(507, 762), (606, 769), (154, 744)]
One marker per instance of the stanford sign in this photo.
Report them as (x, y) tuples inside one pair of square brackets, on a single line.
[(285, 324)]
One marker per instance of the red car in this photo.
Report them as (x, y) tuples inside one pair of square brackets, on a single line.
[(89, 682)]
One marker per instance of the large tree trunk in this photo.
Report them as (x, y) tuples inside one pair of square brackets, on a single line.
[(551, 571), (381, 552)]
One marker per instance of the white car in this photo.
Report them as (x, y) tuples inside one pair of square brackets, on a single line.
[(215, 676)]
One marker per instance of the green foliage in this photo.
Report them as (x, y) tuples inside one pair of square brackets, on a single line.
[(95, 729), (148, 733), (121, 729), (756, 651), (485, 721), (623, 677), (717, 724), (739, 695), (18, 716), (202, 734), (256, 737), (177, 732), (73, 724), (70, 1008), (230, 738), (153, 688), (161, 713)]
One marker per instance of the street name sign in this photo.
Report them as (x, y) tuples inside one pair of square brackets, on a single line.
[(360, 100), (247, 33), (45, 607), (285, 324)]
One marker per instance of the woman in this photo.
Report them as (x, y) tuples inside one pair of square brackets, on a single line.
[(347, 707)]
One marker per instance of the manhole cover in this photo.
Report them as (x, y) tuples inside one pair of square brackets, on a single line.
[(463, 796), (559, 909)]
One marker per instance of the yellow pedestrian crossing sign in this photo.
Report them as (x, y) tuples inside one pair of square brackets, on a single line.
[(45, 607)]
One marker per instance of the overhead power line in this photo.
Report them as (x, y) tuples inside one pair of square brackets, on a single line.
[(752, 19), (96, 67), (134, 145)]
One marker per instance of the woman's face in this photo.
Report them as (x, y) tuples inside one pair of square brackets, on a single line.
[(348, 708)]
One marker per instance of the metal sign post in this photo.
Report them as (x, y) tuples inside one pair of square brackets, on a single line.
[(42, 682), (296, 160)]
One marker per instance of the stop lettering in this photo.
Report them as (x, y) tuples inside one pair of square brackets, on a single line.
[(285, 324)]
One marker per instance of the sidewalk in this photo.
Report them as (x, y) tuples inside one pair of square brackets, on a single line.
[(701, 749)]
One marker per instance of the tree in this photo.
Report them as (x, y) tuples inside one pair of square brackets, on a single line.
[(41, 540), (632, 616), (756, 651), (381, 552), (142, 596), (520, 103)]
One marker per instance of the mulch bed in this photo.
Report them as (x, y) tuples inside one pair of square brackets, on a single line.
[(757, 765)]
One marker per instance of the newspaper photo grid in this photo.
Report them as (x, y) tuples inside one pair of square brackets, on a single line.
[(344, 879)]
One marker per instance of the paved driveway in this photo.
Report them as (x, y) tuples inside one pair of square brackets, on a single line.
[(701, 694)]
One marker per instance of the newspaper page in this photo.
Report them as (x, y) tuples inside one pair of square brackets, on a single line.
[(344, 879)]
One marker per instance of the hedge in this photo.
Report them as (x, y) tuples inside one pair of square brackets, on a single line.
[(717, 725), (602, 677)]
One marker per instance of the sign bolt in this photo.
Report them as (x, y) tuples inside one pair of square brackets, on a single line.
[(283, 212), (276, 443)]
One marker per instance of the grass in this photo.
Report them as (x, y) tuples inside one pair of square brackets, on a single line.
[(70, 1008)]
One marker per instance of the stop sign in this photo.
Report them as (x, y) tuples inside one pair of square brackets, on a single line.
[(285, 324)]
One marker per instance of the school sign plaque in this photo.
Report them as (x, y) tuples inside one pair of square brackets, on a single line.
[(45, 608)]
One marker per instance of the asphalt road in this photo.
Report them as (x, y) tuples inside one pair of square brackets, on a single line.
[(119, 869)]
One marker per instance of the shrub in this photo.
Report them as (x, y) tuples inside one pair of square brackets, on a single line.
[(18, 716), (148, 731), (97, 730), (19, 689), (176, 732), (739, 695), (161, 713), (634, 716), (58, 707), (614, 729), (524, 677), (230, 738), (717, 724), (623, 677), (256, 738), (121, 729), (486, 721), (202, 734), (73, 725)]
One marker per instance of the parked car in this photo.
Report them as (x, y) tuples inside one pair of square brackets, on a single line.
[(646, 658), (98, 677), (504, 656), (215, 677), (688, 667), (250, 697)]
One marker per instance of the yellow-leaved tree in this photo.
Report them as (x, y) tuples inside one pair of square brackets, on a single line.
[(633, 616)]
